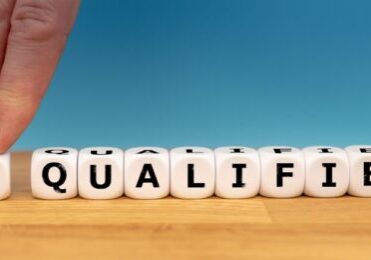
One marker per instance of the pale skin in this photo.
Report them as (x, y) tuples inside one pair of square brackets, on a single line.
[(33, 34)]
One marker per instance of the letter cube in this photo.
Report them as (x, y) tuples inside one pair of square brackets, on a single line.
[(4, 175), (147, 173), (192, 172), (101, 173), (282, 171), (359, 170), (237, 172), (327, 171), (54, 173)]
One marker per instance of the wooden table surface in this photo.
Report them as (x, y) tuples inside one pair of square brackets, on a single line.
[(214, 228)]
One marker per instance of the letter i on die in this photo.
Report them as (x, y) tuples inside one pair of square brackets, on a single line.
[(237, 172), (54, 173), (327, 171)]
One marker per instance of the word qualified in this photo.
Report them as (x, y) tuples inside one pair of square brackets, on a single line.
[(196, 172)]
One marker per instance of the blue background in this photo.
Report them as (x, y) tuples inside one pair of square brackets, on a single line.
[(211, 73)]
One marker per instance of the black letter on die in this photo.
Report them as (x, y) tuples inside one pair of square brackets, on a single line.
[(95, 152), (191, 178), (366, 173), (191, 151), (237, 150), (280, 150), (63, 176), (281, 173), (57, 151), (324, 150), (93, 177), (147, 151), (147, 167), (329, 182), (239, 170)]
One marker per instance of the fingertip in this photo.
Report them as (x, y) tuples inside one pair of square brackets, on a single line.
[(15, 116)]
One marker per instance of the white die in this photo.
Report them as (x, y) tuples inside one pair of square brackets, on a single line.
[(4, 175), (282, 172), (101, 173), (359, 157), (237, 172), (147, 173), (54, 173), (192, 174), (327, 171)]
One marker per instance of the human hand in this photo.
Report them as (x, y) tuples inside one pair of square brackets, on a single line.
[(32, 37)]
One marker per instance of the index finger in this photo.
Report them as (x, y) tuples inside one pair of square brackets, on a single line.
[(38, 33)]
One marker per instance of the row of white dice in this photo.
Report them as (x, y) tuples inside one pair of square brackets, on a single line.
[(197, 172)]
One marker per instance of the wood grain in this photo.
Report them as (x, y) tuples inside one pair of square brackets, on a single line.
[(170, 228)]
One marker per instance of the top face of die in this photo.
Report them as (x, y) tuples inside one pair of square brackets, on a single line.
[(234, 150), (278, 150), (324, 151), (191, 151), (358, 149), (146, 151), (55, 151), (100, 152)]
